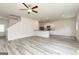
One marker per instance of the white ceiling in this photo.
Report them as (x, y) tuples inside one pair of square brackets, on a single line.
[(46, 11)]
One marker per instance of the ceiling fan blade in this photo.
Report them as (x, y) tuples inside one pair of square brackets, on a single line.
[(34, 7), (23, 9), (25, 5), (35, 11)]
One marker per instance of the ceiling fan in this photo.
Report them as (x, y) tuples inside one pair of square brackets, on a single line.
[(29, 8)]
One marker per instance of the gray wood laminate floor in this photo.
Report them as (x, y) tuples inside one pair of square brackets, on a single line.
[(55, 45), (3, 46)]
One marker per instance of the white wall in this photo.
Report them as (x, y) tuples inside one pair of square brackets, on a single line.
[(5, 23), (63, 27), (77, 31), (24, 28)]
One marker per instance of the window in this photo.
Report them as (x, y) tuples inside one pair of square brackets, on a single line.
[(2, 28)]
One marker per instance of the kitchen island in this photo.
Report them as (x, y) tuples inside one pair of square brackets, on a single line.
[(40, 33)]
